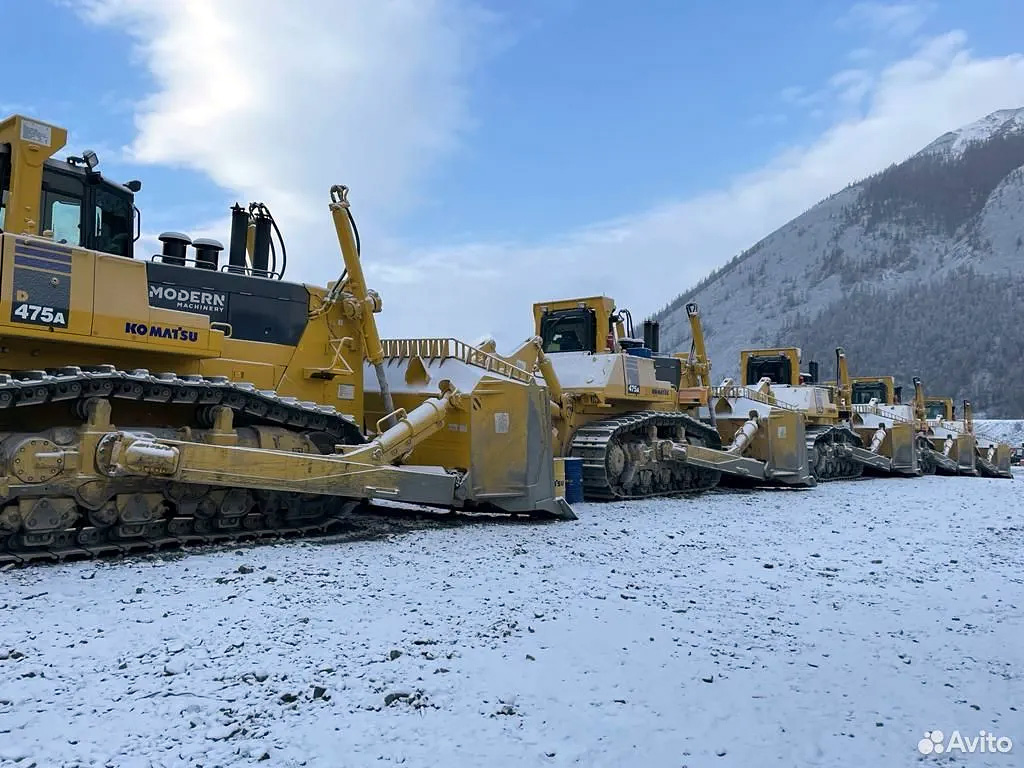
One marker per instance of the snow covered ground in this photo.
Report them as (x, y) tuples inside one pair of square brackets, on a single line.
[(830, 627)]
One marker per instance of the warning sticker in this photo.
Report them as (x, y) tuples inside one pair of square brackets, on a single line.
[(37, 133), (346, 392), (501, 422)]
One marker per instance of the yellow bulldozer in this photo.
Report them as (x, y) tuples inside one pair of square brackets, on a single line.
[(632, 414), (955, 447), (772, 433), (874, 409), (772, 378), (148, 402), (622, 410)]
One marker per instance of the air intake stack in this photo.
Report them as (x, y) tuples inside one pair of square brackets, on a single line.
[(207, 253), (175, 246)]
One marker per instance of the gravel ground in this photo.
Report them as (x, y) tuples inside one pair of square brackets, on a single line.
[(830, 627)]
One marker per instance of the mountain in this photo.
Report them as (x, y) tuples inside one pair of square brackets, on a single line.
[(914, 271)]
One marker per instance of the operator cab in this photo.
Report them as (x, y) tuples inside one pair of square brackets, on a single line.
[(569, 330), (594, 326), (777, 368), (937, 409), (80, 206), (865, 391)]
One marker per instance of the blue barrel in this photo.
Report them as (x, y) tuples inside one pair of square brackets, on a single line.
[(573, 480)]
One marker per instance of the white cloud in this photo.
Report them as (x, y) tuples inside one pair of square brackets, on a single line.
[(278, 101), (893, 19), (373, 94), (852, 85)]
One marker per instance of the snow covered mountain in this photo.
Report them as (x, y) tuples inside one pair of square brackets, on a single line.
[(915, 271), (999, 123)]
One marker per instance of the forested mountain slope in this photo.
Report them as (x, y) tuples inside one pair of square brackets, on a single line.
[(913, 271)]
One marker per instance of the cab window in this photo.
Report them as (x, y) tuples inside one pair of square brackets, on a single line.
[(113, 223), (863, 392), (570, 330), (64, 217), (778, 368)]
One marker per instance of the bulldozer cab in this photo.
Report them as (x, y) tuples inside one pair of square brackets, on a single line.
[(939, 408), (68, 197), (781, 366), (569, 330), (881, 388), (582, 325)]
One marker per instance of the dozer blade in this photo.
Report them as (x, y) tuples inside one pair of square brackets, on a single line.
[(903, 445)]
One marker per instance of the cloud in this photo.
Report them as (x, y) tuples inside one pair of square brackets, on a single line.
[(278, 104), (893, 19), (278, 101), (851, 85)]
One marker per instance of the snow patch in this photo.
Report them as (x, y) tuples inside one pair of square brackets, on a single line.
[(996, 123)]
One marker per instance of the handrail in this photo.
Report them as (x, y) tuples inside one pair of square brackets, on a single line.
[(876, 411), (734, 392), (447, 348)]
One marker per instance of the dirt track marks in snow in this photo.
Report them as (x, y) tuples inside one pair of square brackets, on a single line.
[(830, 627)]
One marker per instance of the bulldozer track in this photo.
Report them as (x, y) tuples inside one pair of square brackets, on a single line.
[(596, 442), (824, 450), (110, 547), (192, 515), (352, 522), (25, 389)]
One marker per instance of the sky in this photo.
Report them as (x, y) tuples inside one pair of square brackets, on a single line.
[(503, 152)]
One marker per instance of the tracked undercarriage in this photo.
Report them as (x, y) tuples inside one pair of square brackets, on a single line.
[(48, 511), (630, 457), (829, 449)]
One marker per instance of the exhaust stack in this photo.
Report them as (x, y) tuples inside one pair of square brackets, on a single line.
[(239, 237), (261, 245)]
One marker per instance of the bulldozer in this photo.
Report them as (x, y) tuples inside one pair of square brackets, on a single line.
[(773, 434), (955, 447), (632, 414), (618, 406), (771, 378), (882, 421), (951, 448), (175, 399)]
